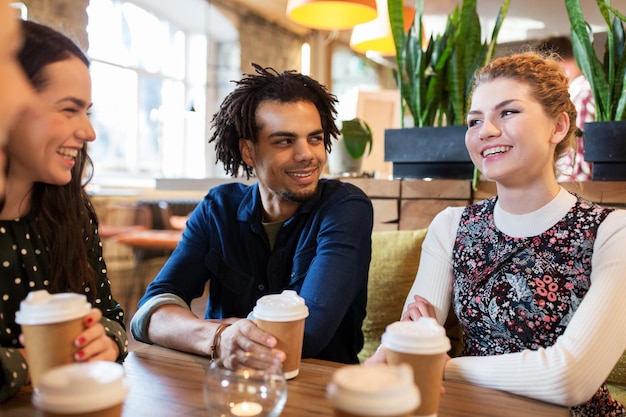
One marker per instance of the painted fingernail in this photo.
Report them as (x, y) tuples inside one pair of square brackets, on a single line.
[(89, 320), (79, 355), (80, 341)]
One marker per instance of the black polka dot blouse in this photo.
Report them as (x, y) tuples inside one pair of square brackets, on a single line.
[(23, 262)]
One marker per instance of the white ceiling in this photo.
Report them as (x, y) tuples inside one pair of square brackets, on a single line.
[(527, 19)]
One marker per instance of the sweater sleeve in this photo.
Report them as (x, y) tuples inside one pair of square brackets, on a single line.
[(14, 372), (570, 371), (435, 274), (141, 320)]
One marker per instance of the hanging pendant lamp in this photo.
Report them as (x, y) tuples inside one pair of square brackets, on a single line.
[(376, 35), (331, 14)]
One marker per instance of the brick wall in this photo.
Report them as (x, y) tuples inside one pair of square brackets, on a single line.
[(67, 16)]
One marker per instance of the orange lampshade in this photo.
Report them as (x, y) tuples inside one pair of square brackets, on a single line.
[(376, 35), (331, 14)]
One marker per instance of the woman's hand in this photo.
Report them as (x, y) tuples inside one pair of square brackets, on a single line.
[(93, 343), (419, 308), (244, 336), (380, 356)]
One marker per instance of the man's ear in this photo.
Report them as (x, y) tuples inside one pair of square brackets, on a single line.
[(246, 148), (560, 128)]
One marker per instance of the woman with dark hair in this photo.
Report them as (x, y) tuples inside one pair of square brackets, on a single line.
[(48, 227)]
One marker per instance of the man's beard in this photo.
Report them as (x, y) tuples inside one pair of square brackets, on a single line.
[(298, 197)]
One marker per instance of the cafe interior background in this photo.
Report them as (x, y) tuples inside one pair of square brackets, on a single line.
[(160, 68)]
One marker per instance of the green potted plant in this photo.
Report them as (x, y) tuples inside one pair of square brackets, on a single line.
[(604, 138), (434, 82), (346, 158)]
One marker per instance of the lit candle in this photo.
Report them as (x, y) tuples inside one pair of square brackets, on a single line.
[(246, 409)]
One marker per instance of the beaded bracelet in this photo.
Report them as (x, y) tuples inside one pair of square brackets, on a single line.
[(215, 353)]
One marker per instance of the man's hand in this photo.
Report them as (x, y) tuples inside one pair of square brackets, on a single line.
[(244, 336)]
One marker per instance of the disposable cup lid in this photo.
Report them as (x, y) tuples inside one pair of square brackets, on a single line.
[(286, 306), (375, 390), (81, 387), (41, 307), (423, 336)]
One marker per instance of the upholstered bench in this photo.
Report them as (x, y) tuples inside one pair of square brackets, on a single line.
[(395, 258), (617, 380)]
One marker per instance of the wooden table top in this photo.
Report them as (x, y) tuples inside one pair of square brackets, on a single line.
[(151, 239), (168, 383)]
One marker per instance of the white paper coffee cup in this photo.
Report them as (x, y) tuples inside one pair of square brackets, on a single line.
[(283, 315), (423, 344), (41, 307), (50, 323), (376, 390), (95, 389)]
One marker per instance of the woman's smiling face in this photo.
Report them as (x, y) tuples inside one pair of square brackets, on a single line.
[(43, 148), (509, 136)]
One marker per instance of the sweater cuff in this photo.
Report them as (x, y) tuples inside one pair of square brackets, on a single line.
[(14, 372), (141, 320)]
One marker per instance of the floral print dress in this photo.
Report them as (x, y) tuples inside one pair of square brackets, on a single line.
[(512, 294)]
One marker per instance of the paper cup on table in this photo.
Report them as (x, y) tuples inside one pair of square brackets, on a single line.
[(372, 391), (50, 323), (282, 315), (91, 389), (423, 344)]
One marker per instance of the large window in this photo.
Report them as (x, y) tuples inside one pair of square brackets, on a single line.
[(151, 79)]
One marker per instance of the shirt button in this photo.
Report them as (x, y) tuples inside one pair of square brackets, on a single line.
[(261, 287)]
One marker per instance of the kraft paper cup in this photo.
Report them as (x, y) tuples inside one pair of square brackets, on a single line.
[(90, 389), (423, 345), (373, 391), (50, 323), (282, 315)]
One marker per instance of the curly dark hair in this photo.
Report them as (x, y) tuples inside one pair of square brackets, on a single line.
[(236, 119)]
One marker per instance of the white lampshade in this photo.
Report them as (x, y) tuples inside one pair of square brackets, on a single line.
[(331, 14), (376, 35)]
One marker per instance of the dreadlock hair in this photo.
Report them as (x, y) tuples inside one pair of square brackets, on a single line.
[(63, 214), (236, 119)]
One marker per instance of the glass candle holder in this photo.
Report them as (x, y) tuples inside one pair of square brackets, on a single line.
[(245, 385)]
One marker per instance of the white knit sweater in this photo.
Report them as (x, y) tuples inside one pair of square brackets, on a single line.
[(569, 372)]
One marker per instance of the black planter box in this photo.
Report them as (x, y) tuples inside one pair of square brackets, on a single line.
[(605, 147), (428, 152)]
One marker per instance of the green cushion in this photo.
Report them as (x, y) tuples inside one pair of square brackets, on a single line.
[(395, 259), (617, 380), (618, 376)]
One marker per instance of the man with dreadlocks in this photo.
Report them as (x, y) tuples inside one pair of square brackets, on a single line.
[(289, 230)]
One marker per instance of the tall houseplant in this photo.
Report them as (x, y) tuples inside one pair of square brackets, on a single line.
[(604, 138), (434, 78), (608, 77), (434, 81)]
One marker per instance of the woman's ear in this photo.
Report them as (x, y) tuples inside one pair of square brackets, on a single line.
[(561, 127), (246, 148)]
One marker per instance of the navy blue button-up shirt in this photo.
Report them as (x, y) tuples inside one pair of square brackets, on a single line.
[(323, 253)]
